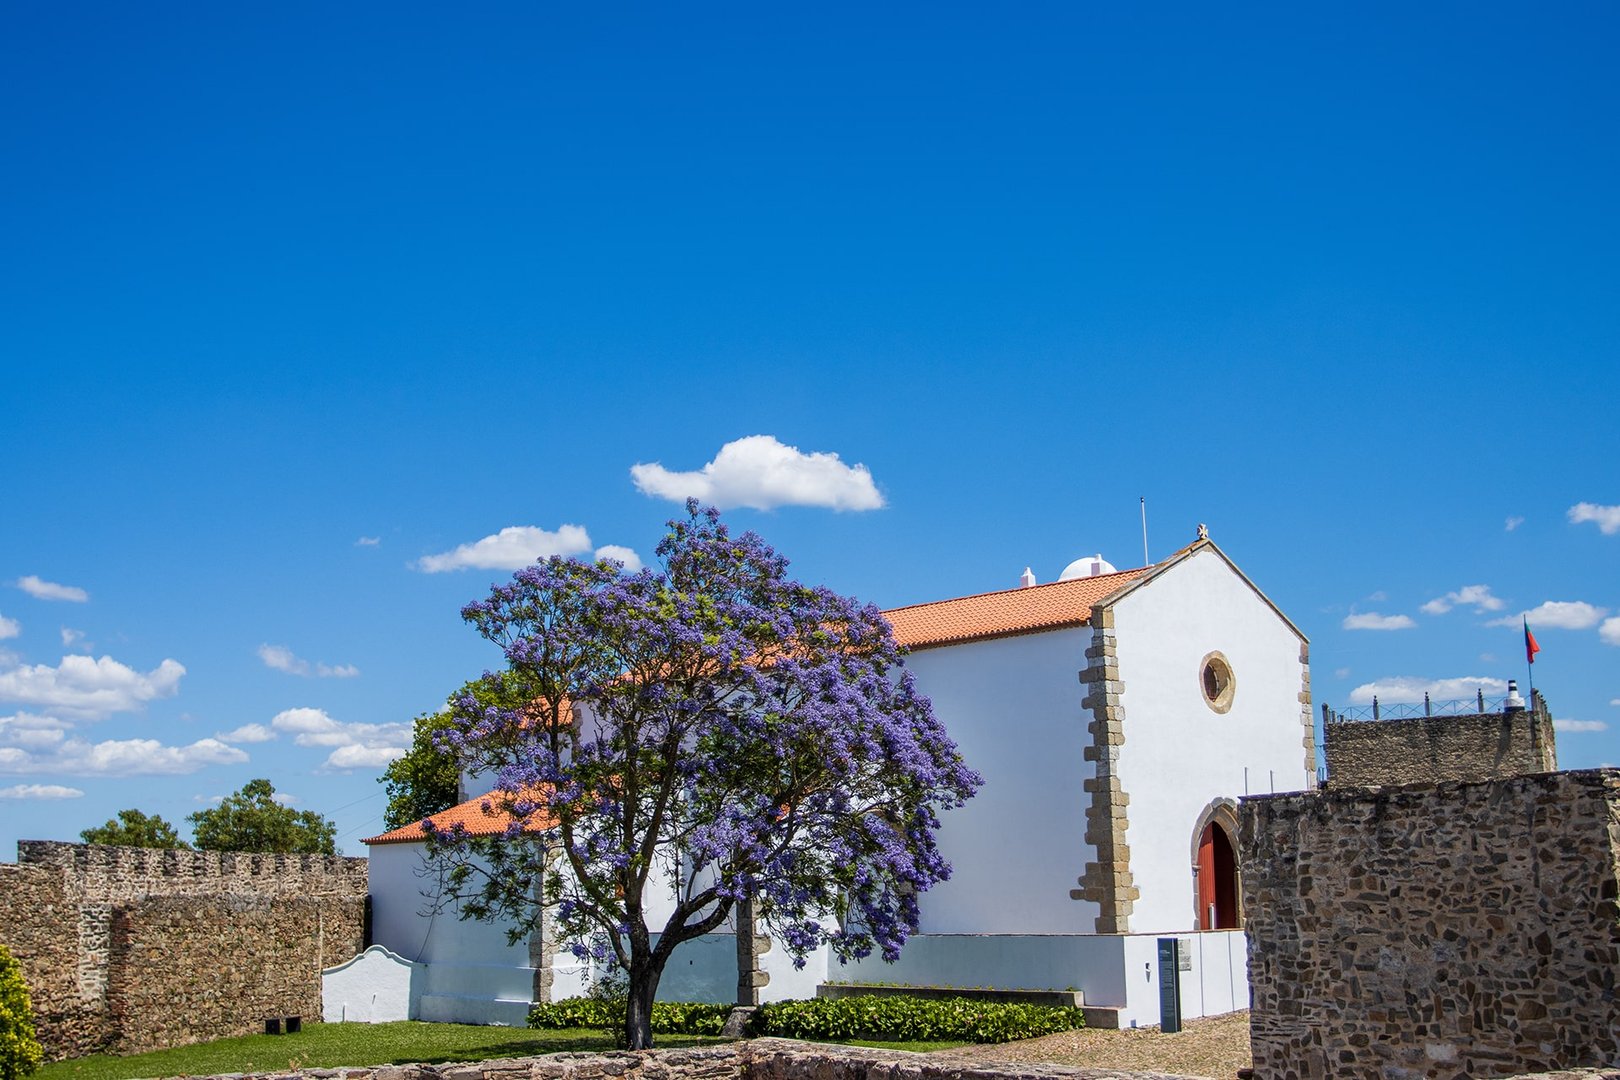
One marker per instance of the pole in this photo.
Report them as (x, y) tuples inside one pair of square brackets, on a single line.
[(1529, 662), (1145, 560)]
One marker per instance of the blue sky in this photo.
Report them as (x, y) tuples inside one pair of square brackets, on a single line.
[(293, 300)]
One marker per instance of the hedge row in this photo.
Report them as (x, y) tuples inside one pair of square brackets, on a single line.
[(908, 1019), (889, 1018), (668, 1017)]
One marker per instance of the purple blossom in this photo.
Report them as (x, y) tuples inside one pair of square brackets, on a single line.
[(712, 725)]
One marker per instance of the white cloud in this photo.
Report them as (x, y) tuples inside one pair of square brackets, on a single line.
[(40, 791), (50, 590), (71, 638), (1614, 701), (1400, 688), (1477, 596), (615, 553), (1579, 726), (282, 658), (9, 628), (363, 757), (247, 733), (353, 746), (1610, 631), (122, 757), (89, 689), (761, 473), (1556, 615), (513, 548), (1513, 523), (1606, 518), (368, 541), (1373, 621), (1341, 673), (32, 732)]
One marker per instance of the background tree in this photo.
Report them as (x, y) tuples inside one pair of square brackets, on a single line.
[(252, 820), (20, 1052), (713, 727), (131, 828), (427, 779)]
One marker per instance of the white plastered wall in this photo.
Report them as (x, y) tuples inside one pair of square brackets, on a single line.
[(1179, 755), (1018, 847)]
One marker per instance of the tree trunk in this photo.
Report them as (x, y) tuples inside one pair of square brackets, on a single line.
[(644, 974), (743, 915)]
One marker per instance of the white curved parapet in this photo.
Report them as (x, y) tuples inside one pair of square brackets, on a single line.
[(373, 988)]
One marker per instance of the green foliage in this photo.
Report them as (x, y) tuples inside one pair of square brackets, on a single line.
[(134, 829), (890, 1018), (668, 1017), (252, 820), (426, 779), (914, 1019), (20, 1053)]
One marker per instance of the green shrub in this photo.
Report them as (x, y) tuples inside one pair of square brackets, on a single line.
[(19, 1047), (908, 1019), (894, 1019), (668, 1017)]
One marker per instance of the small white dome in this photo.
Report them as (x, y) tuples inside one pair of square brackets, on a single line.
[(1090, 566)]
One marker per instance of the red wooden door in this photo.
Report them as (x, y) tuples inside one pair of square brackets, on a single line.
[(1217, 880)]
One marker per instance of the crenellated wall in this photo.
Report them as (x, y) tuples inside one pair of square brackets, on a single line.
[(130, 949), (1434, 749)]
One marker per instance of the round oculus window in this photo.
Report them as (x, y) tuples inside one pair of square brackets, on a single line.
[(1216, 681)]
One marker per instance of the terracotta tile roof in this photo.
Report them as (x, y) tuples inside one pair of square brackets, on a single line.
[(471, 815), (1011, 611)]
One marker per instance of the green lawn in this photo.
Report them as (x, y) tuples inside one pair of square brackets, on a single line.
[(343, 1044)]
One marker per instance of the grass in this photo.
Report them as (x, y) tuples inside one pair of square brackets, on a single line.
[(328, 1045)]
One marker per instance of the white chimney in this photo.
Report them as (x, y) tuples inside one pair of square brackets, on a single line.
[(1514, 702), (1026, 579)]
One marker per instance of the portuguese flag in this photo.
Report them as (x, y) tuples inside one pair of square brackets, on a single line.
[(1530, 646)]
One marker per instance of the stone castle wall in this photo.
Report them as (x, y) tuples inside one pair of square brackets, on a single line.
[(759, 1059), (129, 949), (101, 873), (1463, 929), (1434, 749)]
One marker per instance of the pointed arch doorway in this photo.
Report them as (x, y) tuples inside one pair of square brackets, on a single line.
[(1215, 869)]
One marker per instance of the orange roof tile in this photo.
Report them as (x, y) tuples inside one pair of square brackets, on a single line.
[(472, 816), (1000, 614)]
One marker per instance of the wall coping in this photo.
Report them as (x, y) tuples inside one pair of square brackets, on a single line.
[(755, 1059)]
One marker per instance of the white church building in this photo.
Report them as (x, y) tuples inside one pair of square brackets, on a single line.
[(1116, 717)]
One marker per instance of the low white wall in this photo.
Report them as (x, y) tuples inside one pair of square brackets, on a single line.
[(1218, 982), (374, 988), (1113, 971)]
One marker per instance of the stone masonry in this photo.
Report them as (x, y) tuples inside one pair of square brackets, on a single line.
[(759, 1059), (1432, 749), (1451, 930), (1107, 881), (130, 949)]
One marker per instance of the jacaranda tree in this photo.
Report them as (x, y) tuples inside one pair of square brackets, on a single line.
[(710, 729)]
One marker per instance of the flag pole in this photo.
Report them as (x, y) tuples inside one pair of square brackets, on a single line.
[(1530, 651)]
